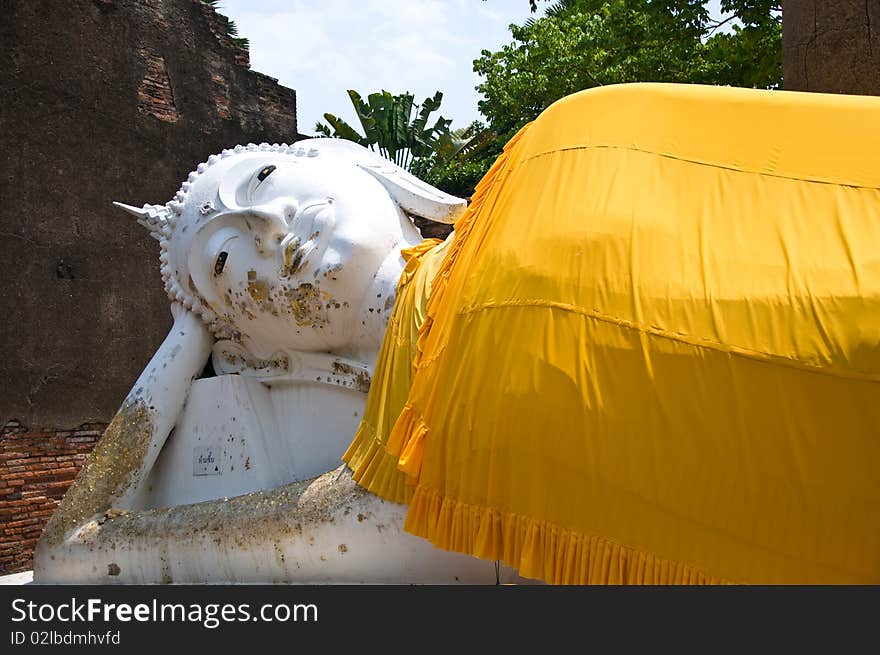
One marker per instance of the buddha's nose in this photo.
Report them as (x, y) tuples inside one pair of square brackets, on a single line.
[(295, 253), (273, 227)]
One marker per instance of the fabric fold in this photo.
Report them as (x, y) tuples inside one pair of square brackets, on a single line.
[(372, 466)]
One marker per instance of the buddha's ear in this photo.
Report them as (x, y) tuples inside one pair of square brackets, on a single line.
[(415, 196)]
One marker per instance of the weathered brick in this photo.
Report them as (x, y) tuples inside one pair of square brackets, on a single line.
[(35, 472), (16, 524), (70, 458), (155, 97), (61, 484)]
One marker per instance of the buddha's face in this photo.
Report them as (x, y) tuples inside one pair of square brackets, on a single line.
[(282, 247)]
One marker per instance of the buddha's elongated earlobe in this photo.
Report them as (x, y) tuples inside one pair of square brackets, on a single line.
[(415, 196)]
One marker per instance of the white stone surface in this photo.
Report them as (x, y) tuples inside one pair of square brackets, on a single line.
[(238, 434), (25, 577)]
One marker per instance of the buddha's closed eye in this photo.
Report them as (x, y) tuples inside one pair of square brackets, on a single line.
[(266, 172), (258, 178), (220, 262)]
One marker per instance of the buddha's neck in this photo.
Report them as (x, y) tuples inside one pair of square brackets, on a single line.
[(376, 310)]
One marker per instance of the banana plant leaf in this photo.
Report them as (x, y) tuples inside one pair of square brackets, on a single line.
[(400, 130)]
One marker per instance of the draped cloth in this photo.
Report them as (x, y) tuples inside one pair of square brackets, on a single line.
[(652, 352), (372, 467)]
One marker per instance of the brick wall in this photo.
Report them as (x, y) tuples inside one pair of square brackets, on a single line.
[(36, 468), (156, 97)]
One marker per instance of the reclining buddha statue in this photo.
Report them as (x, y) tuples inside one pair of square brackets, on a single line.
[(648, 353)]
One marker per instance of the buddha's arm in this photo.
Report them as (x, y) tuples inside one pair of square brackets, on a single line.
[(111, 476)]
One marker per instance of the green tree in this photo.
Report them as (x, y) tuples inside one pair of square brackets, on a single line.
[(393, 125), (399, 129), (461, 158), (579, 44)]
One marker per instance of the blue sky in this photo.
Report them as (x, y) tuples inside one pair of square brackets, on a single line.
[(321, 49)]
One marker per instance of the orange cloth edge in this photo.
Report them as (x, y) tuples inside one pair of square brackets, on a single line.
[(407, 438), (540, 550), (372, 467)]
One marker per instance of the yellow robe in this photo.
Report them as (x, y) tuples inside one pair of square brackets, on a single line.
[(652, 352), (372, 467)]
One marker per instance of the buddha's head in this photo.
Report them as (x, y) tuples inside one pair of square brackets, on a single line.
[(280, 247)]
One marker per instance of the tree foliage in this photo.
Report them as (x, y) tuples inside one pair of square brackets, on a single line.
[(392, 124), (579, 44), (399, 130), (574, 45), (460, 160)]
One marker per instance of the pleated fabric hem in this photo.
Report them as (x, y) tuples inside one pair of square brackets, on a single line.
[(374, 469), (538, 549)]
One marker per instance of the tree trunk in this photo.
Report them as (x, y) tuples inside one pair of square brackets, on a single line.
[(831, 47)]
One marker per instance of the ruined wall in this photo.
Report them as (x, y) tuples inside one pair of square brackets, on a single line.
[(102, 100), (831, 47), (36, 468)]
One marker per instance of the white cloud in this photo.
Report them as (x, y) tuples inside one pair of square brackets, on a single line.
[(323, 49)]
